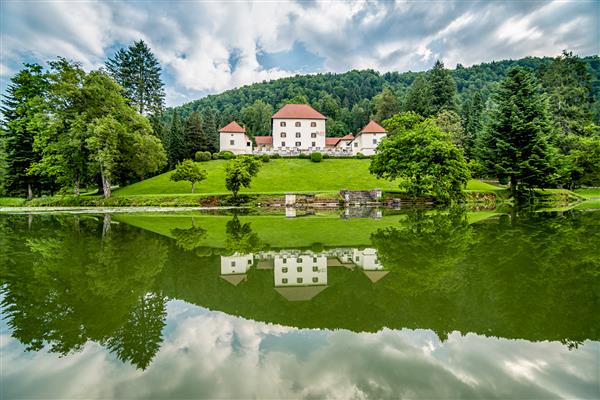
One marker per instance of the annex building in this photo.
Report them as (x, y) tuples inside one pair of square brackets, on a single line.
[(299, 128)]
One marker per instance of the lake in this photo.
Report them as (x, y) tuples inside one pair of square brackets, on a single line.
[(358, 304)]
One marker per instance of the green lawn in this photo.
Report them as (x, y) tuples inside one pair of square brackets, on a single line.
[(280, 176)]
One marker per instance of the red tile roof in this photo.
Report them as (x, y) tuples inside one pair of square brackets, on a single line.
[(332, 141), (263, 140), (298, 111), (373, 127), (348, 137), (232, 127)]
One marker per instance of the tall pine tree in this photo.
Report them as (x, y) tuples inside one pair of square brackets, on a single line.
[(209, 126), (442, 89), (137, 70), (194, 137), (515, 144), (418, 96), (385, 105), (175, 142), (22, 104), (472, 115)]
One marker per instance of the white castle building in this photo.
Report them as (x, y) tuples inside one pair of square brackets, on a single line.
[(299, 128)]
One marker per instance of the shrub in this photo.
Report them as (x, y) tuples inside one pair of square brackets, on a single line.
[(226, 155), (215, 156), (203, 156), (360, 156), (316, 157), (326, 155), (304, 156), (265, 158), (275, 156)]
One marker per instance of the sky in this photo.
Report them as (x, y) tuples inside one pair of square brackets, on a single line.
[(208, 47)]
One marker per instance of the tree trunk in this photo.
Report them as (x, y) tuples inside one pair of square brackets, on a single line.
[(193, 186), (29, 192), (77, 185), (105, 184)]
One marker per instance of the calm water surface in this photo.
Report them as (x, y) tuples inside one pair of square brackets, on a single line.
[(368, 305)]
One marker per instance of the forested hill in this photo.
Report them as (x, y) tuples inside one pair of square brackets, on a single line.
[(346, 98)]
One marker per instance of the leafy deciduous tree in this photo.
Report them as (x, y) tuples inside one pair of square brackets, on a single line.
[(189, 171)]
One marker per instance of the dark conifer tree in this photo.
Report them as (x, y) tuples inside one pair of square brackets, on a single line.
[(442, 89), (515, 144), (175, 144), (418, 97), (210, 128), (194, 137)]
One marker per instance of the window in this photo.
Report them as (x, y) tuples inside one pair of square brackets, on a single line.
[(298, 144), (314, 144), (298, 134), (249, 262), (355, 144), (282, 123), (314, 259), (233, 263), (298, 123), (232, 142), (299, 280), (315, 279), (248, 144), (282, 144), (284, 280), (282, 134), (357, 258), (299, 259), (285, 260), (315, 269), (313, 124), (284, 270), (299, 269), (313, 135), (374, 141)]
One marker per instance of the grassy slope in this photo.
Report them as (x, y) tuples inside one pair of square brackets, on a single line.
[(279, 176)]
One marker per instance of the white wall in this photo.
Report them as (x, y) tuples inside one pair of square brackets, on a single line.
[(236, 264), (367, 259), (305, 130), (287, 273), (240, 143), (364, 143)]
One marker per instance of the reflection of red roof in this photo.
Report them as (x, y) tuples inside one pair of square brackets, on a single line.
[(299, 111), (232, 127), (263, 140), (332, 141), (373, 127), (348, 137)]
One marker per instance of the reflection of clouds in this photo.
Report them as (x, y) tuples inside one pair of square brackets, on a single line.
[(211, 354)]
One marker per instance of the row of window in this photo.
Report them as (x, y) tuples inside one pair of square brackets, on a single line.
[(233, 263), (312, 135), (300, 280), (299, 259), (299, 269), (298, 123), (298, 144)]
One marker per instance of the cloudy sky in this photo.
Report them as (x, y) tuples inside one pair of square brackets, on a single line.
[(208, 47)]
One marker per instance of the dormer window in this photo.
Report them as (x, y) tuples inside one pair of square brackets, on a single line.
[(282, 123), (313, 124), (298, 123)]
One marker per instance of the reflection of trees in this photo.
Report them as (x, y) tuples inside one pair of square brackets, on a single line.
[(68, 286), (240, 238)]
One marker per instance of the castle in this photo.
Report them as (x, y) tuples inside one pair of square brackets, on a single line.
[(299, 128)]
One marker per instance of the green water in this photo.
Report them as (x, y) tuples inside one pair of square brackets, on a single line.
[(438, 304)]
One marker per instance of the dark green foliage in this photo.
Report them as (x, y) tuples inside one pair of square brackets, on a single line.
[(210, 128), (316, 156), (425, 160), (303, 156), (472, 116), (418, 97), (137, 70), (188, 171), (194, 138), (515, 143), (24, 99), (442, 90), (226, 155), (275, 156), (257, 118), (239, 173), (360, 156), (326, 156), (203, 156), (402, 122), (175, 140), (265, 158), (385, 105)]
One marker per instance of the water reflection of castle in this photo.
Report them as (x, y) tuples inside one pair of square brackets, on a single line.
[(301, 274)]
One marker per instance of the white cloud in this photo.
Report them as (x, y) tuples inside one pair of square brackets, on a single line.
[(195, 40)]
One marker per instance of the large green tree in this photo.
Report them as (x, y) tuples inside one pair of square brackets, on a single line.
[(175, 140), (425, 161), (385, 105), (22, 104), (472, 119), (418, 96), (194, 138), (239, 172), (137, 70), (515, 143), (257, 118), (210, 128), (189, 171)]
